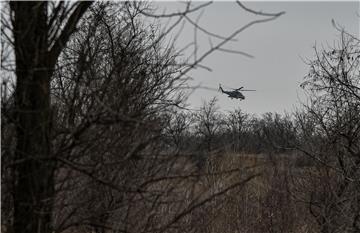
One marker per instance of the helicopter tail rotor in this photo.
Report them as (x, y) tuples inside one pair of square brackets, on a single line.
[(220, 88)]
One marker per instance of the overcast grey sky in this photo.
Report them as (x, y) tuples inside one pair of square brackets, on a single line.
[(278, 46)]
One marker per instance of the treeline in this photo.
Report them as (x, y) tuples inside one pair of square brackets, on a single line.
[(208, 130)]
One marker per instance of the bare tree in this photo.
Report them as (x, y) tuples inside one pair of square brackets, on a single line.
[(37, 38), (110, 121), (332, 140), (209, 123), (237, 124), (178, 132)]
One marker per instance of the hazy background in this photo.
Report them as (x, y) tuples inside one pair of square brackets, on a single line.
[(278, 46)]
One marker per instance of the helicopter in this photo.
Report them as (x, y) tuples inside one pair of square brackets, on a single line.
[(235, 93)]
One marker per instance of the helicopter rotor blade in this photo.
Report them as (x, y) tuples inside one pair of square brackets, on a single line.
[(248, 90), (237, 89)]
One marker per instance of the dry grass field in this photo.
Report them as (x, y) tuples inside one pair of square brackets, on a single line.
[(264, 204)]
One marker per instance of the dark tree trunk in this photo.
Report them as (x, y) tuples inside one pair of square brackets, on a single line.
[(34, 183), (35, 60)]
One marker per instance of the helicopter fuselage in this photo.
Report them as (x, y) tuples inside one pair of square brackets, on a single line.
[(234, 94)]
